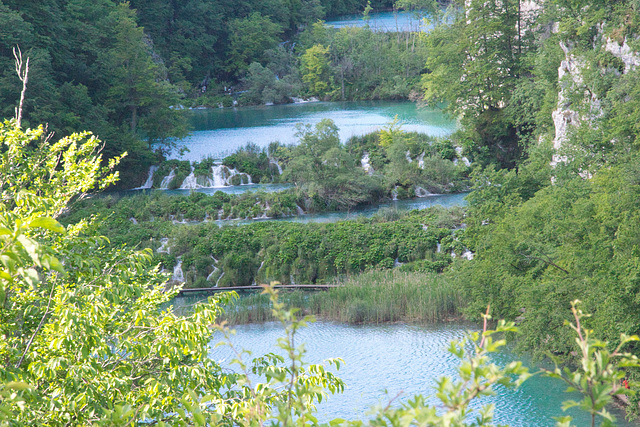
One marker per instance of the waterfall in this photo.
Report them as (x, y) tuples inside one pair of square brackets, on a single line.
[(421, 192), (420, 160), (408, 156), (365, 163), (163, 246), (219, 278), (438, 248), (210, 276), (178, 274), (218, 173), (190, 182), (273, 161), (394, 193), (464, 159), (467, 254), (299, 209), (164, 185), (149, 182)]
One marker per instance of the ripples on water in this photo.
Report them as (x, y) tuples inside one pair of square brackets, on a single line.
[(383, 361)]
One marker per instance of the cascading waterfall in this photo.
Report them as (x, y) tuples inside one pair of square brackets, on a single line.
[(421, 192), (420, 160), (190, 182), (394, 193), (163, 246), (464, 159), (178, 274), (219, 278), (210, 276), (273, 161), (300, 210), (408, 156), (149, 182), (366, 165), (221, 176), (164, 185)]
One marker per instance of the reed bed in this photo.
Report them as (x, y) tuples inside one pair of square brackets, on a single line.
[(372, 297)]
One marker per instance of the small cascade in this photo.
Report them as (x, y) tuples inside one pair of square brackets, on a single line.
[(421, 192), (133, 221), (300, 210), (397, 263), (164, 249), (190, 182), (149, 182), (178, 274), (164, 185), (210, 276), (408, 156), (394, 193), (221, 175), (273, 161), (464, 159), (438, 248), (293, 282), (219, 278), (467, 254), (420, 160), (366, 165)]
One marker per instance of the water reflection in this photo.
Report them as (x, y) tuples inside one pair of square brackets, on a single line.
[(219, 132)]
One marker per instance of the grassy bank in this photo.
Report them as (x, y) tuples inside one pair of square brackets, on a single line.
[(371, 297)]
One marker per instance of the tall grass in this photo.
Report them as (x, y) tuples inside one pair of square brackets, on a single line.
[(371, 297)]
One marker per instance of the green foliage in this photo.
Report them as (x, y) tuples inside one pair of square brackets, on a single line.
[(599, 375), (250, 37), (254, 161), (87, 334), (315, 70), (536, 252)]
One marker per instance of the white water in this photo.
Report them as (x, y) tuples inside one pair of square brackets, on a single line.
[(164, 185), (300, 210), (178, 274), (219, 278), (149, 182), (275, 162), (222, 176), (190, 182), (421, 192), (394, 194), (365, 164), (210, 276), (163, 246), (420, 160)]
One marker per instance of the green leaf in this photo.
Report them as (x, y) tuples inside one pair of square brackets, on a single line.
[(47, 223)]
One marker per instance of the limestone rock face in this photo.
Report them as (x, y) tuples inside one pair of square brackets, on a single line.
[(623, 52), (569, 76)]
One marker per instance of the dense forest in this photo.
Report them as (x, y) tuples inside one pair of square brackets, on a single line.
[(124, 69), (548, 98)]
